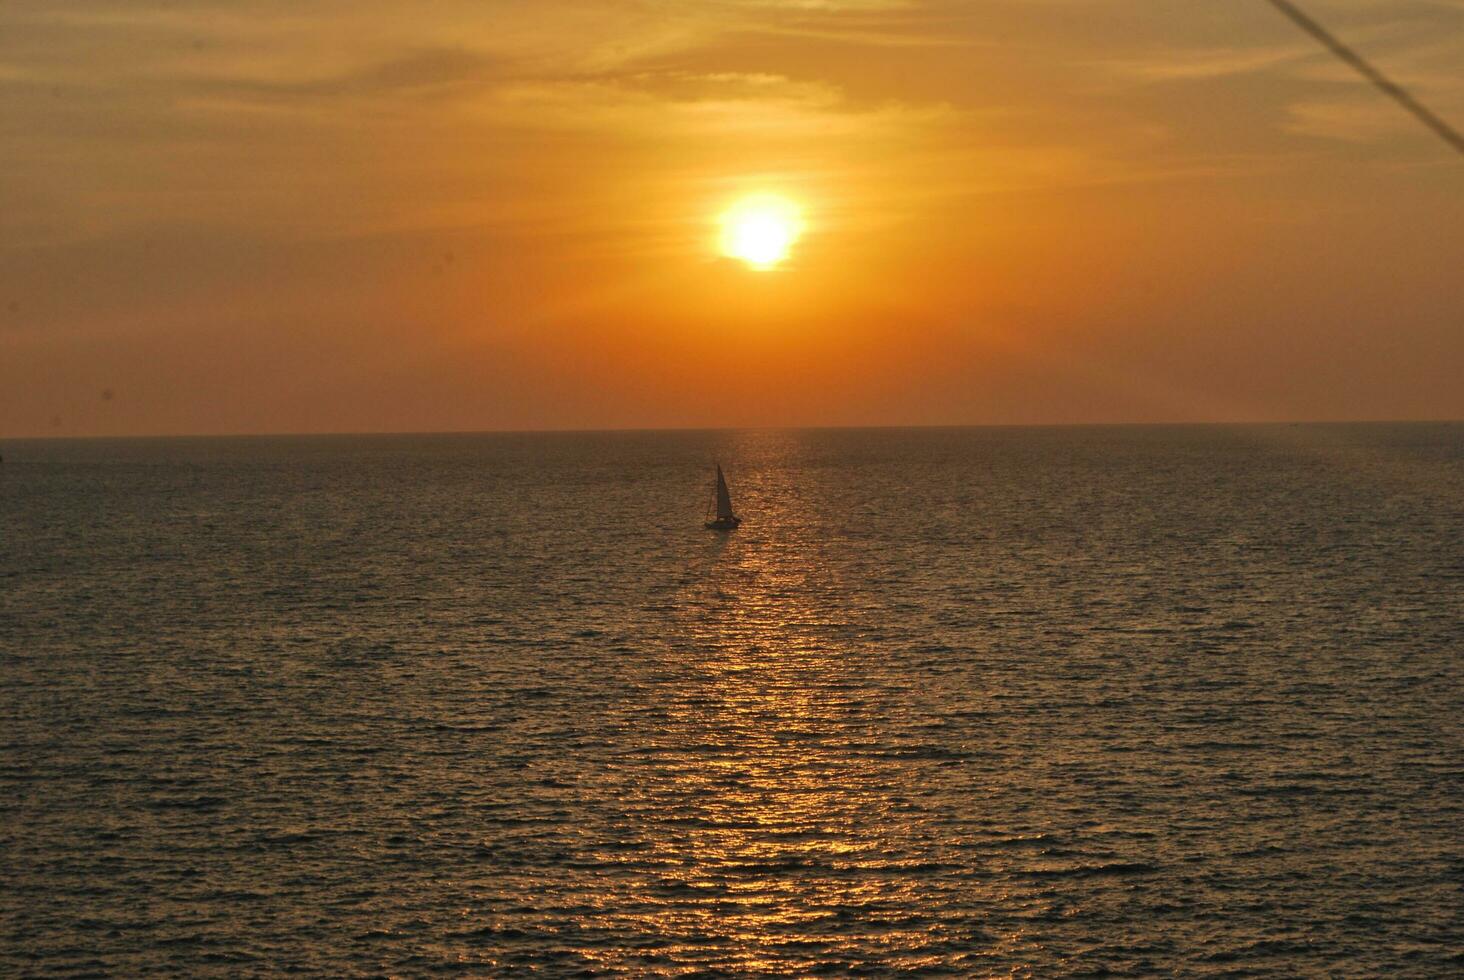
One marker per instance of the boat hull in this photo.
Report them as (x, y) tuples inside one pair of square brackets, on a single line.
[(724, 524)]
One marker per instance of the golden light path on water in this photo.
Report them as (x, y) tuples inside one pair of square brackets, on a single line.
[(781, 819)]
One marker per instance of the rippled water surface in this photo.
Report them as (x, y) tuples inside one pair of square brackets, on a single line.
[(967, 702)]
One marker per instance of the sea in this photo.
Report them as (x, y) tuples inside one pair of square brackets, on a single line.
[(1017, 702)]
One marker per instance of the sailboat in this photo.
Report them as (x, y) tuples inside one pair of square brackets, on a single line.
[(725, 520)]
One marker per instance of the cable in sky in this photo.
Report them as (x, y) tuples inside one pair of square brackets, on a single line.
[(1384, 84)]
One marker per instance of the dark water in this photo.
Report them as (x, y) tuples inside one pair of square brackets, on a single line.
[(966, 702)]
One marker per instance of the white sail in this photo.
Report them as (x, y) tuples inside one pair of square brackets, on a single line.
[(724, 499)]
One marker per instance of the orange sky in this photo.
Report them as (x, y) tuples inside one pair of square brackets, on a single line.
[(239, 216)]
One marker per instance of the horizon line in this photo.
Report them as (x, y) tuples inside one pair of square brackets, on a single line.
[(631, 430)]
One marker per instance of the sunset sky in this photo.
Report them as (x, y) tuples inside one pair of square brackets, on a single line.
[(222, 216)]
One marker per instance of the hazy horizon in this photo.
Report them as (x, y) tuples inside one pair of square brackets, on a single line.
[(889, 426)]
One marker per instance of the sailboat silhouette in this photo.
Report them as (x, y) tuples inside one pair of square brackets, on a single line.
[(724, 519)]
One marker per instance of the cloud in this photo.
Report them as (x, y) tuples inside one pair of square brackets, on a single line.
[(660, 105), (441, 73), (1361, 120), (1210, 63)]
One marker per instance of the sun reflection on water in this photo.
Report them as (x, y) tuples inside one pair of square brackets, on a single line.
[(780, 828)]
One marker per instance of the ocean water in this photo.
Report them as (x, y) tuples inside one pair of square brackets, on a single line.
[(967, 702)]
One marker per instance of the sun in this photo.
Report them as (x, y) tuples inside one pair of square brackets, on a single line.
[(761, 229)]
